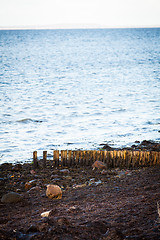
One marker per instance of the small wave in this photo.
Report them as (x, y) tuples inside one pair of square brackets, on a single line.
[(119, 110), (26, 120)]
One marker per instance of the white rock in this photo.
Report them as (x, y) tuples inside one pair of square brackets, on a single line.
[(79, 185), (46, 214)]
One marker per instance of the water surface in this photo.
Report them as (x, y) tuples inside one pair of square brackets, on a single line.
[(75, 89)]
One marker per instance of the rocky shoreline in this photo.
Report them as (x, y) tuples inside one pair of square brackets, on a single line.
[(145, 145), (96, 203)]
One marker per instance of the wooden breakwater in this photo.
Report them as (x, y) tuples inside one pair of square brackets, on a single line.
[(112, 159)]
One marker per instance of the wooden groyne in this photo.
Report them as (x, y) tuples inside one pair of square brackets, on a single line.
[(112, 159)]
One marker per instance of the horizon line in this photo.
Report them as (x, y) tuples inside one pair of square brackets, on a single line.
[(73, 26)]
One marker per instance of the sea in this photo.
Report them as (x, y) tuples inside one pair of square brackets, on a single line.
[(76, 89)]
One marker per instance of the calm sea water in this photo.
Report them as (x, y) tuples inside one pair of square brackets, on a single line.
[(75, 89)]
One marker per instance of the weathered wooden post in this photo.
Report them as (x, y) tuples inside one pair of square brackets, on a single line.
[(73, 158), (123, 158), (118, 158), (99, 155), (158, 158), (108, 159), (35, 162), (81, 158), (65, 157), (62, 157), (94, 155), (84, 158), (133, 159), (129, 159), (112, 159), (155, 158), (69, 158), (56, 158), (76, 158), (140, 158), (91, 157), (147, 158), (44, 158), (105, 156)]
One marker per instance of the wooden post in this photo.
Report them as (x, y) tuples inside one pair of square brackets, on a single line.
[(90, 157), (84, 158), (69, 158), (65, 157), (147, 158), (118, 158), (73, 158), (44, 158), (143, 158), (151, 158), (81, 158), (155, 158), (94, 155), (56, 158), (129, 159), (158, 158), (115, 158), (108, 159), (77, 158), (124, 158), (99, 155), (112, 159), (62, 157), (121, 159), (133, 159), (105, 156), (140, 158), (35, 162)]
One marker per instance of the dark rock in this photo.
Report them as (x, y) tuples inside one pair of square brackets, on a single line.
[(113, 234), (11, 197), (17, 167), (106, 147), (28, 236), (32, 228), (134, 146), (62, 221), (2, 181), (6, 166), (145, 142)]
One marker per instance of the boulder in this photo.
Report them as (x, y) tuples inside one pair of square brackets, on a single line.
[(11, 197), (99, 165), (53, 191)]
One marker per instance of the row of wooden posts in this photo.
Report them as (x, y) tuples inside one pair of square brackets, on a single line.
[(112, 159)]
